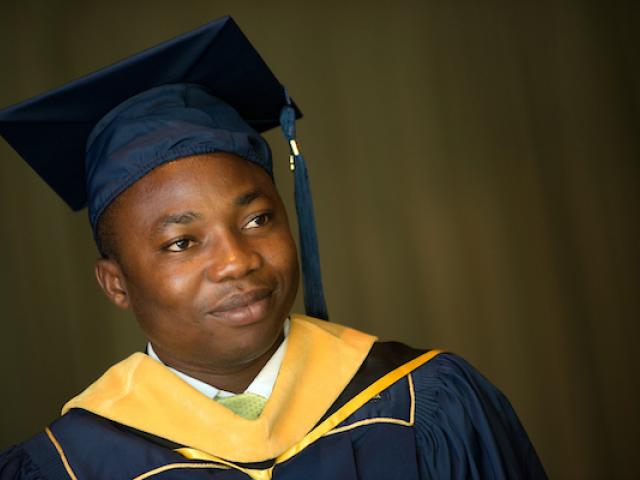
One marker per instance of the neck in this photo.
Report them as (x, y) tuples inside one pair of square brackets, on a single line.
[(234, 379)]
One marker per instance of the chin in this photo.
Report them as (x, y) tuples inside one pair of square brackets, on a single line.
[(251, 342)]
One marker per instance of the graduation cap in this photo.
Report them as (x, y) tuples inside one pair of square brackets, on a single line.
[(205, 91)]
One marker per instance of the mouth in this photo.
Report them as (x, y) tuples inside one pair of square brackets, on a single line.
[(243, 308)]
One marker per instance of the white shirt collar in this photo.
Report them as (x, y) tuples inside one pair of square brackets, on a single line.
[(261, 385)]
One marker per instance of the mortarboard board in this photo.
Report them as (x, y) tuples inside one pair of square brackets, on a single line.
[(207, 90)]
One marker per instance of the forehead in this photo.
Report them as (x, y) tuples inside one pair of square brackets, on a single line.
[(215, 176)]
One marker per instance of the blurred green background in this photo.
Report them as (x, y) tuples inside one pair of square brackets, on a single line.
[(475, 167)]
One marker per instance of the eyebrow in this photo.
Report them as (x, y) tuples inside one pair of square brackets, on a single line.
[(247, 198), (184, 218), (181, 218)]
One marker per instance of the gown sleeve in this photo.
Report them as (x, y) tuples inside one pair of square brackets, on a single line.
[(466, 428), (16, 464)]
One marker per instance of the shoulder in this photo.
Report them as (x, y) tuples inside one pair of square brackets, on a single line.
[(33, 459), (41, 457), (438, 376), (457, 400), (445, 384), (79, 444), (16, 464), (447, 375), (464, 424)]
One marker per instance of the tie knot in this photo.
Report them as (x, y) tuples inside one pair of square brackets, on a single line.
[(247, 405)]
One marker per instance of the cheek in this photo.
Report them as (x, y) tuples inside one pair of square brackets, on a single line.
[(161, 310), (160, 292)]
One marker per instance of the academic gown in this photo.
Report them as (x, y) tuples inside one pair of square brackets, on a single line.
[(343, 407)]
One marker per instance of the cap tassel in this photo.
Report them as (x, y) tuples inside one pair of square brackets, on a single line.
[(314, 302)]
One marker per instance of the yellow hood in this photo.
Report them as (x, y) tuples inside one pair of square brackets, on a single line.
[(320, 360)]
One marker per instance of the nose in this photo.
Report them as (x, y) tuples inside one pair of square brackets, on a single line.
[(232, 257)]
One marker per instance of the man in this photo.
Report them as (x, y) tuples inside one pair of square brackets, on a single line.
[(195, 240)]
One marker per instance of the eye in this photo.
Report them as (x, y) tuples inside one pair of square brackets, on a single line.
[(180, 245), (259, 220)]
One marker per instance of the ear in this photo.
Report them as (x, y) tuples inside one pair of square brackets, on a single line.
[(111, 279)]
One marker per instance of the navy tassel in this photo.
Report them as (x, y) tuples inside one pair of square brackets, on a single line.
[(314, 302)]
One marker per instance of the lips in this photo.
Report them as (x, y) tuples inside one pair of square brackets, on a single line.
[(243, 308)]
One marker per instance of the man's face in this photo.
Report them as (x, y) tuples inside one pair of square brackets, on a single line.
[(207, 260)]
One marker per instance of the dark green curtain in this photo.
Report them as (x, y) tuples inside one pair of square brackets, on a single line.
[(475, 172)]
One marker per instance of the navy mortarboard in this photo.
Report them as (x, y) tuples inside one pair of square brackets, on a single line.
[(205, 91)]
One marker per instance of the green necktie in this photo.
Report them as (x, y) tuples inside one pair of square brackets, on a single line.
[(247, 405)]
